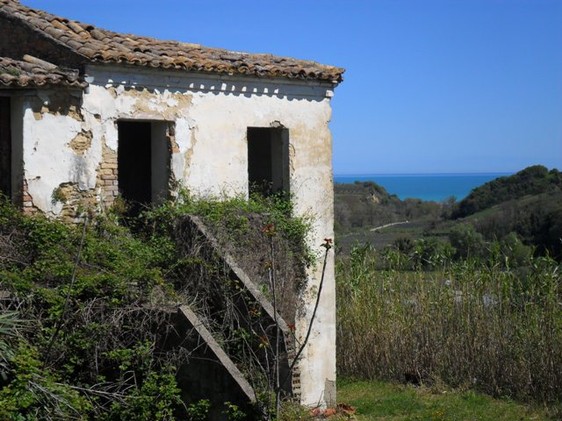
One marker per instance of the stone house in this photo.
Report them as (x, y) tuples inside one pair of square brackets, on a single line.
[(88, 114)]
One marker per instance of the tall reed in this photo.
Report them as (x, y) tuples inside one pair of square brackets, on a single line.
[(469, 325)]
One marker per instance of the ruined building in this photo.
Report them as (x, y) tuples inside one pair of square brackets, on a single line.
[(88, 114)]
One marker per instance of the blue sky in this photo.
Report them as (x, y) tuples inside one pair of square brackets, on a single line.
[(431, 86)]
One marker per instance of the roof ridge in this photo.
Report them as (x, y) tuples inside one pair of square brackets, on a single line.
[(105, 46)]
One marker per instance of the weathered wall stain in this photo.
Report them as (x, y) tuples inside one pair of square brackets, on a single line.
[(70, 161)]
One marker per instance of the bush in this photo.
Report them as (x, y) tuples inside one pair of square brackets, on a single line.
[(83, 292)]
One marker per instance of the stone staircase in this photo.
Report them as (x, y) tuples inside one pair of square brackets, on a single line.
[(200, 325)]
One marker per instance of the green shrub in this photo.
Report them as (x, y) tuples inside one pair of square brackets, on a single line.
[(199, 410), (35, 392), (155, 400)]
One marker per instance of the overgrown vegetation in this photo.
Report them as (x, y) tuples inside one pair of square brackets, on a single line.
[(88, 330), (87, 310), (468, 324), (240, 227)]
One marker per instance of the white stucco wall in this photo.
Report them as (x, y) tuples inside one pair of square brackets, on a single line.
[(211, 116)]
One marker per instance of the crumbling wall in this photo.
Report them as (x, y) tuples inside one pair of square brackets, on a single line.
[(60, 157), (70, 160)]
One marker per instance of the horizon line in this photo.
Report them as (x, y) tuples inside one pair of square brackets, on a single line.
[(423, 174)]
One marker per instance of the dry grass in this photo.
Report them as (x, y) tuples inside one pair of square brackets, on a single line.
[(470, 326)]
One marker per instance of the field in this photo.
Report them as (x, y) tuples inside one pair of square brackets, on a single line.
[(375, 400), (470, 326)]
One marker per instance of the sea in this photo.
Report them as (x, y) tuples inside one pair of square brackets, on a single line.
[(428, 187)]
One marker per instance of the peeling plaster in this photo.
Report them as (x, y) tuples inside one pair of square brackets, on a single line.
[(82, 142), (49, 162), (210, 118), (185, 139)]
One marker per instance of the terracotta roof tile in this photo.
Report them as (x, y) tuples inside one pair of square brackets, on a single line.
[(100, 45), (36, 73)]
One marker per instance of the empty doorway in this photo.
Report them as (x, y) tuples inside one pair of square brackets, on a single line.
[(143, 161), (268, 160), (5, 148)]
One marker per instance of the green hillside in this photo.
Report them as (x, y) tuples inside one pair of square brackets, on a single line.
[(366, 213), (532, 180), (528, 203), (526, 206)]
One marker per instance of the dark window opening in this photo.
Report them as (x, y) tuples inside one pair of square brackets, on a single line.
[(143, 160), (5, 148), (268, 160)]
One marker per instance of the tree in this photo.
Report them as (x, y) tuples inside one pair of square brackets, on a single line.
[(467, 242)]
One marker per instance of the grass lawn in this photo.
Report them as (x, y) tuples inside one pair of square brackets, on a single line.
[(376, 400)]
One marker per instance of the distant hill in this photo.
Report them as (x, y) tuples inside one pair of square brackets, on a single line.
[(366, 213), (365, 204), (528, 203), (532, 180)]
